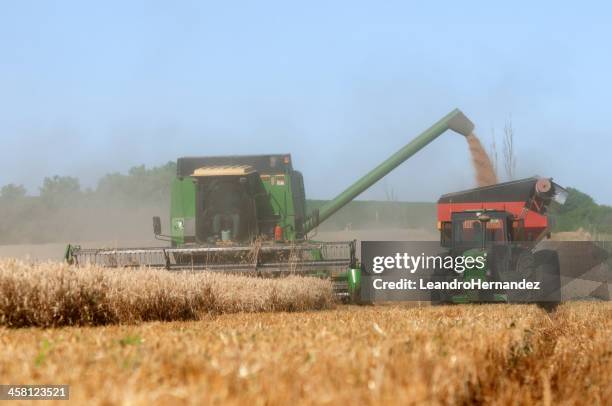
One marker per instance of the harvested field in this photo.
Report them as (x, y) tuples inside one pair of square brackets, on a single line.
[(55, 294), (501, 354)]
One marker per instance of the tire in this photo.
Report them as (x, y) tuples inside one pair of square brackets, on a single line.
[(525, 267), (549, 275), (441, 298)]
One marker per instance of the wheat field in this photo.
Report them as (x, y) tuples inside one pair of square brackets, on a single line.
[(471, 354), (47, 294), (142, 337)]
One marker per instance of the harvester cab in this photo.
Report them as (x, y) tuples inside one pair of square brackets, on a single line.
[(226, 200), (224, 207), (236, 200)]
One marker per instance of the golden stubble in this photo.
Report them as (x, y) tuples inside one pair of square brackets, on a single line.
[(492, 354)]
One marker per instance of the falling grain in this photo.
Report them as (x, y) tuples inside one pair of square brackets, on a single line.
[(485, 174)]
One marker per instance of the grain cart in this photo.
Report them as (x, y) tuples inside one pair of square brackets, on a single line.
[(504, 222), (247, 214)]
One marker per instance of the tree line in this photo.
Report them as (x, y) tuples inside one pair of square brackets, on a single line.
[(120, 207)]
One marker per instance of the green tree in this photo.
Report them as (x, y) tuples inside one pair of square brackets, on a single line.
[(59, 190), (139, 185), (581, 211)]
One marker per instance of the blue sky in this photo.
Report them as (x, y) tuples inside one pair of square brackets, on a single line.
[(87, 89)]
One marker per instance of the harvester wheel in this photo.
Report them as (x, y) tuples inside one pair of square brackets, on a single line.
[(355, 296)]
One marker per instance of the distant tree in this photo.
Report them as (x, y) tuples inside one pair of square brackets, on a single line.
[(390, 194), (509, 152), (391, 198), (139, 185), (58, 190), (493, 152), (577, 200), (581, 211), (12, 192), (64, 210)]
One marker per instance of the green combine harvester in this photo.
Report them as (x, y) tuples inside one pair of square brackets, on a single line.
[(247, 214)]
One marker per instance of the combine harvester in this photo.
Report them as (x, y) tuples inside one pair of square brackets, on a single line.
[(247, 214)]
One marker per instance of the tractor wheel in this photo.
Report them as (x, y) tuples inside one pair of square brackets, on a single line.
[(524, 267), (442, 297), (549, 275)]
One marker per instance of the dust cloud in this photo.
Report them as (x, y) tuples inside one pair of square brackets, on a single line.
[(101, 225), (485, 173)]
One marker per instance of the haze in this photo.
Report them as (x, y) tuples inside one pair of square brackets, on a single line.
[(88, 89)]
